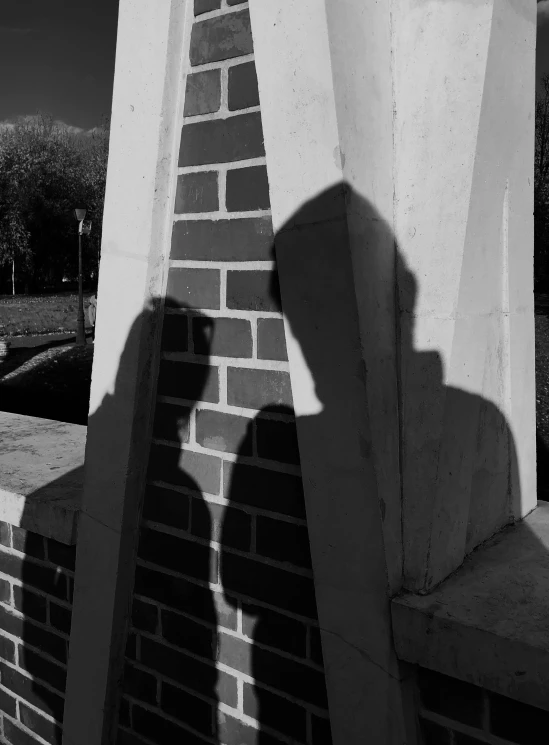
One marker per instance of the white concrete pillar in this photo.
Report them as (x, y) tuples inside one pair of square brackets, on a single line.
[(424, 109), (136, 235), (464, 142)]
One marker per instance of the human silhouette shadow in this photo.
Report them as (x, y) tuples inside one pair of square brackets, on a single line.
[(454, 445), (171, 608)]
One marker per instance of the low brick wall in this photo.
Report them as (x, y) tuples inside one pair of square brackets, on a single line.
[(453, 712), (36, 586), (224, 644)]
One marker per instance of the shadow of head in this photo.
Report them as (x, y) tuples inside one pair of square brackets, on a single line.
[(339, 258)]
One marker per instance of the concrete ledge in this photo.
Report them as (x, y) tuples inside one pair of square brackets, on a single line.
[(41, 475), (488, 623)]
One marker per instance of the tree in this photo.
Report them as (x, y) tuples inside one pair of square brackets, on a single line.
[(46, 170)]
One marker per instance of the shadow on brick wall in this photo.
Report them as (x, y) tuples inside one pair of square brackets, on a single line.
[(211, 648)]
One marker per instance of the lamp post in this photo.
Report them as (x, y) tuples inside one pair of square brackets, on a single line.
[(80, 214)]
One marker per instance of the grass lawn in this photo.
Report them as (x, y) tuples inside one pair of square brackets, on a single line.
[(23, 315)]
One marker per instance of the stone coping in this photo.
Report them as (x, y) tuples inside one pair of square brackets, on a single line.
[(41, 475), (488, 623)]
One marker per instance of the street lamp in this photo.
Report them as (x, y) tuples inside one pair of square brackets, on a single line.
[(80, 214)]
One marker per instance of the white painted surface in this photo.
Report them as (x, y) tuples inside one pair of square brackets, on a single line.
[(135, 244), (464, 97)]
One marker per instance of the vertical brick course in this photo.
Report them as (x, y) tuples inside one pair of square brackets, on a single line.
[(224, 616)]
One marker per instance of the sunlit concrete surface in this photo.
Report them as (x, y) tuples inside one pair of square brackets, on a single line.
[(487, 623), (41, 475)]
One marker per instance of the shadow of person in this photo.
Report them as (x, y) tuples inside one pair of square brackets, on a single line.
[(173, 613), (457, 459)]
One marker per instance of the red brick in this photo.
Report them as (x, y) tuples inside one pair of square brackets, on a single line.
[(513, 720), (131, 646), (194, 674), (184, 595), (124, 713), (175, 336), (28, 543), (268, 490), (283, 541), (35, 636), (16, 736), (277, 440), (30, 603), (241, 239), (232, 337), (225, 525), (451, 697), (224, 432), (272, 629), (247, 189), (322, 731), (271, 339), (145, 616), (275, 712), (30, 690), (290, 677), (202, 93), (5, 534), (196, 288), (178, 554), (232, 730), (315, 645), (243, 89), (254, 389), (5, 591), (253, 290), (189, 380), (7, 704), (266, 584), (194, 471), (189, 709), (167, 507), (433, 734), (188, 635), (203, 6), (61, 554), (159, 730), (44, 728), (220, 38), (222, 140), (139, 684), (7, 649), (171, 422), (60, 617), (41, 668), (197, 192)]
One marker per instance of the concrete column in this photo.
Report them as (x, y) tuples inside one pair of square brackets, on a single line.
[(464, 142), (399, 144), (146, 122), (327, 118)]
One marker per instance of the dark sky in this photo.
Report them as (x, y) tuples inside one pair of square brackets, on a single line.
[(57, 56)]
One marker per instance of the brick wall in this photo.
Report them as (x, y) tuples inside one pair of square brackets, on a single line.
[(224, 643), (36, 585), (453, 712)]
